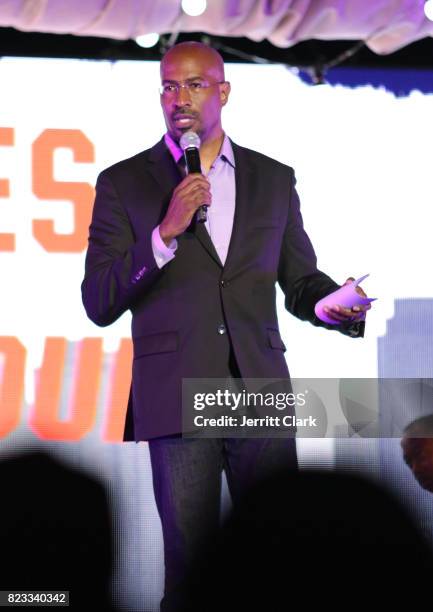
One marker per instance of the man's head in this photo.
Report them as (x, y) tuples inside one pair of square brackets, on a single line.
[(197, 106), (417, 445)]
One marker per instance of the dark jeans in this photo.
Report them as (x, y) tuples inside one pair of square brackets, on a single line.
[(187, 485), (186, 476)]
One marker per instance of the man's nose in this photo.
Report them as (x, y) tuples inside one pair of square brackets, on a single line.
[(183, 97)]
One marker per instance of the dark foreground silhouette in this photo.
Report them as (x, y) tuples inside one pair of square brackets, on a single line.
[(314, 539), (55, 531)]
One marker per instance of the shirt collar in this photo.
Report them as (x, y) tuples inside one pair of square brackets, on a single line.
[(226, 151)]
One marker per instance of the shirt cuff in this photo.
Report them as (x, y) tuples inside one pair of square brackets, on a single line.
[(162, 253)]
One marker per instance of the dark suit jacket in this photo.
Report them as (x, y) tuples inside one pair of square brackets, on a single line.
[(178, 310)]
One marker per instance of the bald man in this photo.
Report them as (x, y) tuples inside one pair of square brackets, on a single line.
[(202, 295)]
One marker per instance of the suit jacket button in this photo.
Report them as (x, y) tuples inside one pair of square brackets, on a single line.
[(221, 329)]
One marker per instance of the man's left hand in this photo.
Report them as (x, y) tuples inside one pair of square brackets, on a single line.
[(351, 315)]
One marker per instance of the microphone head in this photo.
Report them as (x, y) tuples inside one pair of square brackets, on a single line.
[(189, 140)]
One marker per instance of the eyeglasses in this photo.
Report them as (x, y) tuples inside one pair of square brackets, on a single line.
[(193, 87)]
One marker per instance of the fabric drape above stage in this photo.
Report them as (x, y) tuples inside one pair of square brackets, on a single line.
[(385, 26)]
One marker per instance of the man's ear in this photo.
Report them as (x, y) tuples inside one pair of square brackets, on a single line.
[(225, 92)]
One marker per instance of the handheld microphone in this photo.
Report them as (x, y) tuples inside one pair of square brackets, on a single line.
[(190, 144)]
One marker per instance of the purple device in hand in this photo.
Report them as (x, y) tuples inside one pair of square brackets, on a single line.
[(345, 296)]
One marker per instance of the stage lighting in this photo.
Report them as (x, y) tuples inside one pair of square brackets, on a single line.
[(147, 40), (194, 8), (428, 9)]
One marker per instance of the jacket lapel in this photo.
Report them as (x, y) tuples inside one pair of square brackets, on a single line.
[(163, 168), (201, 233), (243, 198)]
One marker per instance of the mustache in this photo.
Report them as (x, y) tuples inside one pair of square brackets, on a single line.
[(179, 114)]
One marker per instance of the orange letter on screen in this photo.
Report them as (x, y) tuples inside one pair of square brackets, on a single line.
[(85, 368), (13, 356), (120, 381), (46, 188), (7, 241)]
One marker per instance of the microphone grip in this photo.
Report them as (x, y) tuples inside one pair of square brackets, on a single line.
[(201, 214), (192, 161)]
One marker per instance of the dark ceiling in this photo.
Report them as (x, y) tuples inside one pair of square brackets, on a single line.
[(309, 53)]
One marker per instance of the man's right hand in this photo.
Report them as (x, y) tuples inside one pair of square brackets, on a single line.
[(191, 193)]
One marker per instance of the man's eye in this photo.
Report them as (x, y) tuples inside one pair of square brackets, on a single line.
[(169, 88), (195, 85)]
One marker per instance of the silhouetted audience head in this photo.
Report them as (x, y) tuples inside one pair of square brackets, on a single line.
[(55, 531), (417, 445), (316, 538)]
